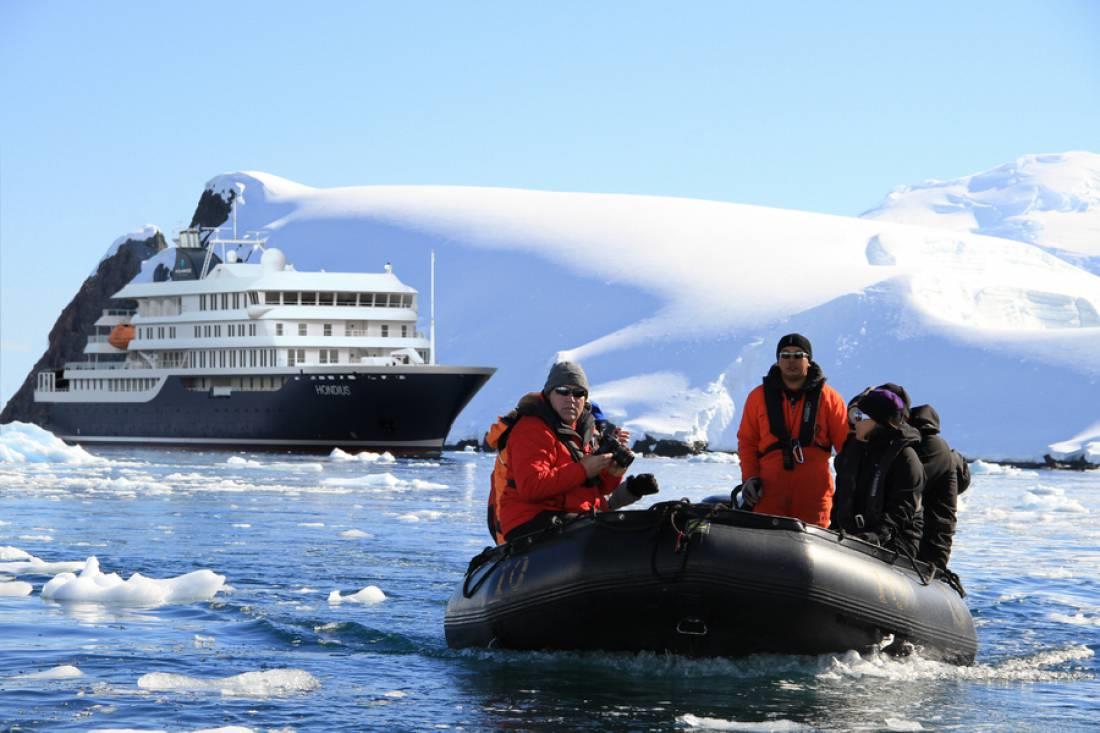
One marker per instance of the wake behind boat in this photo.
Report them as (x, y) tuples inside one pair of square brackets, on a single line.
[(220, 351), (703, 580)]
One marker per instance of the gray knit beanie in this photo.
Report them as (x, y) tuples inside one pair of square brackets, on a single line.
[(563, 373)]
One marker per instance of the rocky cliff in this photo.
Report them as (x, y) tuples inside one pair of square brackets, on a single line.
[(70, 333)]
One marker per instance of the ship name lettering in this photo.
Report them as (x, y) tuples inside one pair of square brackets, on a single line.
[(333, 390)]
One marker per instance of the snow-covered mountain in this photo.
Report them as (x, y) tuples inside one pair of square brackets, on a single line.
[(674, 305), (1049, 200)]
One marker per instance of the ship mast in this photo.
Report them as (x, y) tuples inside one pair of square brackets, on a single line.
[(431, 323)]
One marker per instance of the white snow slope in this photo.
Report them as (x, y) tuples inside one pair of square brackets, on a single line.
[(1049, 200), (674, 305)]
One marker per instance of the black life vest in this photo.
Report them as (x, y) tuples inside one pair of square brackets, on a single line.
[(854, 508), (773, 401)]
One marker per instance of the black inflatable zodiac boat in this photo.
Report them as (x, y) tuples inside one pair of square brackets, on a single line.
[(704, 580)]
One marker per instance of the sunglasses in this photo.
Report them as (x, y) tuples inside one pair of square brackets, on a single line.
[(793, 354), (578, 392), (858, 416)]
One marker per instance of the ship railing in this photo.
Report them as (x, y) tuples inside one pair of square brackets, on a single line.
[(365, 333), (118, 311), (86, 365)]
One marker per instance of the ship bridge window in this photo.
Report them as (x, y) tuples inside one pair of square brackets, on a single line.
[(290, 298), (324, 298), (366, 299), (345, 299), (271, 297), (309, 298)]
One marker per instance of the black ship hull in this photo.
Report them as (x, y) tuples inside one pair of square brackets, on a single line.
[(398, 410)]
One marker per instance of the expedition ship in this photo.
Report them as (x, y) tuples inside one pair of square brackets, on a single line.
[(220, 351)]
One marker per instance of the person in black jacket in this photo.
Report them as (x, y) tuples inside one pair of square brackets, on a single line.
[(941, 489), (879, 477)]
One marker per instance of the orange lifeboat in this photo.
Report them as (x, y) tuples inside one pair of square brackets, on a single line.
[(121, 336)]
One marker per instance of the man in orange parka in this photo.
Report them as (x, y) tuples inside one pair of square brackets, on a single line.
[(551, 467), (789, 427)]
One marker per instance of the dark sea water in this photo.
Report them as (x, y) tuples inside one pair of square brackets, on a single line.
[(272, 651)]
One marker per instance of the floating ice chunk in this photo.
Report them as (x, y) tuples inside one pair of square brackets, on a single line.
[(765, 726), (23, 562), (1051, 499), (8, 552), (269, 683), (93, 586), (355, 534), (423, 514), (26, 443), (364, 457), (382, 481), (241, 462), (997, 469), (904, 725), (370, 595), (61, 672), (715, 457), (15, 588)]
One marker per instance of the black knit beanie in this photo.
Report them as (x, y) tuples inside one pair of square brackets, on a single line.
[(795, 339)]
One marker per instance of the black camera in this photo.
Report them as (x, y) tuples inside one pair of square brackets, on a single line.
[(609, 443)]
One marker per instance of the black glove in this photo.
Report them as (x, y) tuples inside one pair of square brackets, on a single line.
[(751, 490), (644, 484)]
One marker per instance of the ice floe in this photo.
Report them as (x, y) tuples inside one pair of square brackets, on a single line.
[(269, 683), (355, 534), (15, 588), (1050, 499), (20, 562), (26, 443), (364, 457), (421, 515), (60, 672), (382, 481), (241, 462), (93, 586), (368, 596), (997, 469), (715, 457)]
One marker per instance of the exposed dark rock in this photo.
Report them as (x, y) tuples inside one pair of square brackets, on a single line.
[(651, 446), (463, 444), (70, 333), (1077, 464), (213, 210)]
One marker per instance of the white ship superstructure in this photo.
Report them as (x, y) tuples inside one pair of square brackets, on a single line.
[(221, 326)]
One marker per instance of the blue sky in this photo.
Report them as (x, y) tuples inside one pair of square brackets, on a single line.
[(115, 113)]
